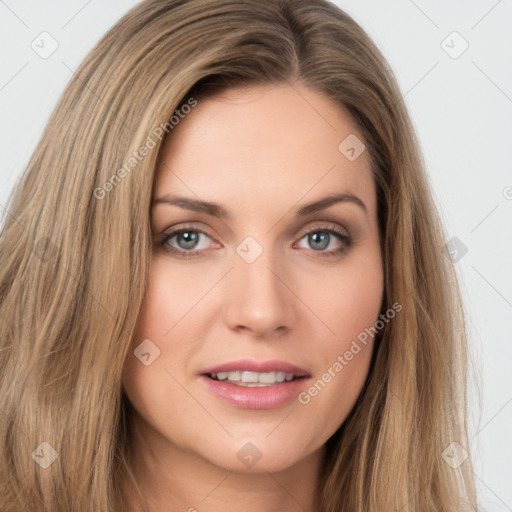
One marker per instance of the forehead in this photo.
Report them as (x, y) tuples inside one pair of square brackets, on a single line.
[(263, 144)]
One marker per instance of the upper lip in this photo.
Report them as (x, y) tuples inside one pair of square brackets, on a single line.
[(250, 365)]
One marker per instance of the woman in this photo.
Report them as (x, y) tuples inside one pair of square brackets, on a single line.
[(223, 280)]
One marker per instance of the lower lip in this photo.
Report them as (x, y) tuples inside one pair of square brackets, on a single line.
[(267, 397)]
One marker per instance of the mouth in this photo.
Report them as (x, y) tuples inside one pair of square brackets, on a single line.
[(251, 384), (253, 379)]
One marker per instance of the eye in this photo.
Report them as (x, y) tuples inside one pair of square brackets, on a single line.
[(326, 241), (185, 242)]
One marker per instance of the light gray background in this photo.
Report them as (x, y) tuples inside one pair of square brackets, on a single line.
[(462, 110)]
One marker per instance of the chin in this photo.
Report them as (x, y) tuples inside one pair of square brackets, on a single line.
[(257, 454)]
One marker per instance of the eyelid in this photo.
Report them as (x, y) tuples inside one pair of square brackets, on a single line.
[(327, 226), (184, 226)]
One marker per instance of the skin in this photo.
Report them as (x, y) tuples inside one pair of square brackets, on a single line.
[(261, 153)]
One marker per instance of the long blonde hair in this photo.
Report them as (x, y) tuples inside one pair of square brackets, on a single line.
[(75, 252)]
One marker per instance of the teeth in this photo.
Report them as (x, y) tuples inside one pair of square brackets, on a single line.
[(280, 376), (253, 379)]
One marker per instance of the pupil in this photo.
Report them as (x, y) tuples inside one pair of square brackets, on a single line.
[(190, 239), (322, 239)]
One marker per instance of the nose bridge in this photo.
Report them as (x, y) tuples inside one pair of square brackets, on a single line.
[(258, 299)]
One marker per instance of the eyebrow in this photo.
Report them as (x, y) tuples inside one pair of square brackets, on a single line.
[(216, 210)]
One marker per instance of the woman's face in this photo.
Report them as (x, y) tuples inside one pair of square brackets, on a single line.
[(272, 281)]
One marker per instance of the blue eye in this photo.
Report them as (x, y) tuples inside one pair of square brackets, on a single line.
[(188, 242), (321, 239)]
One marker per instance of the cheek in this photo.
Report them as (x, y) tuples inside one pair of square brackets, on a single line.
[(159, 312), (152, 388), (348, 303), (346, 298), (173, 292), (172, 298), (167, 294)]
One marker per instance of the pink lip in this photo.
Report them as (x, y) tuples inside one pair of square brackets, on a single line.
[(268, 397), (250, 365)]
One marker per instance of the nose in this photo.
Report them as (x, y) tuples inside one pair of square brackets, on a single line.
[(259, 297)]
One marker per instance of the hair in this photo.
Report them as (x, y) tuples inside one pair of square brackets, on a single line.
[(74, 262)]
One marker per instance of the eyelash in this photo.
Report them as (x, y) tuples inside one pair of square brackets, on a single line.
[(346, 240)]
